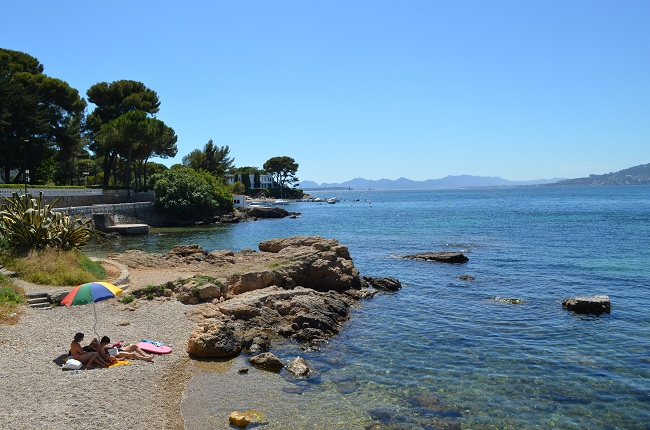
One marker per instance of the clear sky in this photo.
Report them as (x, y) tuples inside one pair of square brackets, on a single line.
[(522, 89)]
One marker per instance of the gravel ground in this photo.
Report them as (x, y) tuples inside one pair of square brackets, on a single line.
[(37, 393)]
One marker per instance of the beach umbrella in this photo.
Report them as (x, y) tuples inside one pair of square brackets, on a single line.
[(91, 292)]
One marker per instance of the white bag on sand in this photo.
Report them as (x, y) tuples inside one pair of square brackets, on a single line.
[(72, 364)]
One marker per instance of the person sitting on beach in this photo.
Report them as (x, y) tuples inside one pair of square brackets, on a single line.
[(102, 350), (86, 358)]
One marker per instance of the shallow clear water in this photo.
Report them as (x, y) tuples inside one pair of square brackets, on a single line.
[(441, 353)]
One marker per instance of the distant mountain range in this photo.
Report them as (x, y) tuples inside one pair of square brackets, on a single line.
[(461, 181), (638, 175)]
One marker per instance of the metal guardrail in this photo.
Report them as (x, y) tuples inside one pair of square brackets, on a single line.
[(62, 192), (7, 192)]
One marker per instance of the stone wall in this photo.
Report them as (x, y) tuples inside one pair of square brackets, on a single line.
[(125, 213)]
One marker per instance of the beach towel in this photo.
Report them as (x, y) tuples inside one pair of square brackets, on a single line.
[(152, 342), (119, 363)]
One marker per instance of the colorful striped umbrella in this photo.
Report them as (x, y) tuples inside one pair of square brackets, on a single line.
[(90, 293)]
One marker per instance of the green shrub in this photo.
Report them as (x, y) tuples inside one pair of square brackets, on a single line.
[(11, 300), (127, 298), (186, 193), (8, 295)]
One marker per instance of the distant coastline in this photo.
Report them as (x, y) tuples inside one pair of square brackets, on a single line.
[(638, 175)]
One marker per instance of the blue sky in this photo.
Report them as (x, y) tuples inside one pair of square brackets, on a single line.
[(375, 89)]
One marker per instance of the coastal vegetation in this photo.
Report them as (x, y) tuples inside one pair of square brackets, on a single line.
[(189, 194), (11, 298), (47, 139), (28, 224), (54, 267)]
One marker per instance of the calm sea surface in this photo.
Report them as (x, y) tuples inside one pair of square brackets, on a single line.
[(446, 353)]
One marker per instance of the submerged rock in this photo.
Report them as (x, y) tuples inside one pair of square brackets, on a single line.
[(386, 284), (588, 305), (444, 257), (300, 368), (239, 419), (510, 300), (267, 361)]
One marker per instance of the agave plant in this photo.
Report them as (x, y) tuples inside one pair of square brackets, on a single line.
[(27, 224)]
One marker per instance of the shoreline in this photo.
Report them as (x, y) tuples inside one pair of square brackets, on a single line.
[(141, 390)]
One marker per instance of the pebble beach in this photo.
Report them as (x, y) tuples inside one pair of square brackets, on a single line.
[(38, 393)]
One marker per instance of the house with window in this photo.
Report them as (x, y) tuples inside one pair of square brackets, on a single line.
[(263, 180), (239, 201)]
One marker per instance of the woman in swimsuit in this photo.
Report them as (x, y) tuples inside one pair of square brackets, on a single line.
[(78, 353)]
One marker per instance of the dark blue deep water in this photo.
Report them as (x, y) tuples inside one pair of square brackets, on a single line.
[(442, 352)]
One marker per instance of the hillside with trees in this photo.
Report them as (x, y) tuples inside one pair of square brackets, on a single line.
[(637, 175)]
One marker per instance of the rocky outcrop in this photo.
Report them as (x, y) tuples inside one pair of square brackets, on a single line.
[(588, 305), (215, 339), (444, 257), (302, 314), (300, 287), (308, 261)]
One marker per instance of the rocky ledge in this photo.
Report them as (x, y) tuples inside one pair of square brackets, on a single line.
[(300, 288)]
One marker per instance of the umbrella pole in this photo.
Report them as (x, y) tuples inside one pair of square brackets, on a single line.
[(95, 326)]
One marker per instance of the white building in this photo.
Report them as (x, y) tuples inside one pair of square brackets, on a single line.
[(239, 200), (266, 180)]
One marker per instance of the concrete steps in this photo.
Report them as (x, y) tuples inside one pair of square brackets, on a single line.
[(39, 300)]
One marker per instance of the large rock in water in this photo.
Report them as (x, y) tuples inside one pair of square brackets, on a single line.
[(264, 212), (444, 257), (588, 305)]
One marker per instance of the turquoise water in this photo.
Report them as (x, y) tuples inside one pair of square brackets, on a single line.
[(441, 353)]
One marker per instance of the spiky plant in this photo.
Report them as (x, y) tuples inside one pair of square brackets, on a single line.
[(27, 224)]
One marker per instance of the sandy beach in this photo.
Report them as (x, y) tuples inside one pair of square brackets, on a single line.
[(37, 393)]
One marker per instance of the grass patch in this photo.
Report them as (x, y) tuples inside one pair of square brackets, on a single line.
[(126, 298), (199, 280), (52, 267), (11, 300), (279, 263)]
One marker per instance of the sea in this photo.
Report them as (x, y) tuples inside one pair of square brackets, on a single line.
[(496, 352)]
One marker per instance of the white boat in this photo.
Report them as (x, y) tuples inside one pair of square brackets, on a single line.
[(331, 201), (281, 202), (259, 205), (334, 199)]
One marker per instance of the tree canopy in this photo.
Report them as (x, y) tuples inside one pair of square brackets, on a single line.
[(113, 101), (136, 137), (212, 158), (40, 116), (283, 170)]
